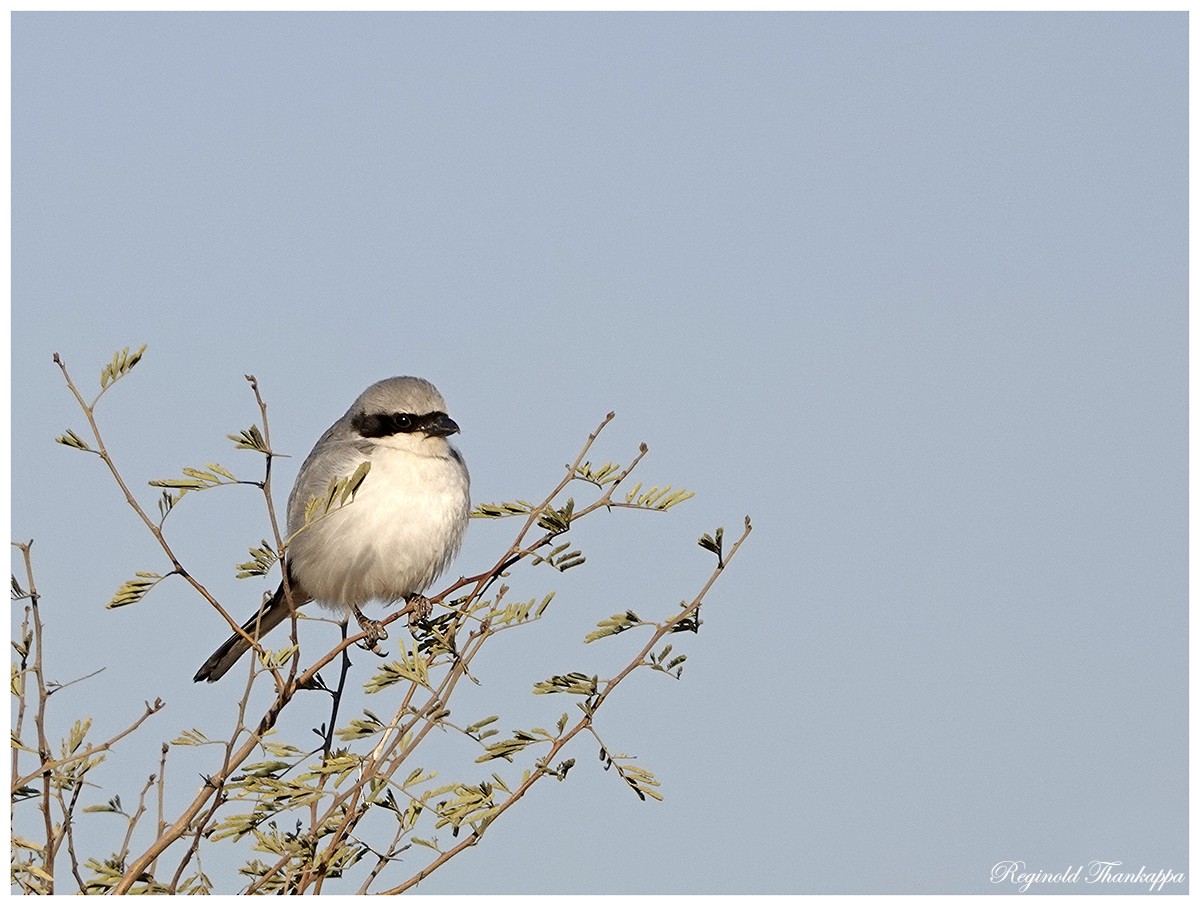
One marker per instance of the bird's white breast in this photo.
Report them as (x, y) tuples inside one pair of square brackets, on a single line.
[(403, 527)]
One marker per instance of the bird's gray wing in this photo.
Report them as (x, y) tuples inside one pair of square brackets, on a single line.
[(336, 455)]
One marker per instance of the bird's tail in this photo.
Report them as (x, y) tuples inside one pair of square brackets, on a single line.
[(270, 615)]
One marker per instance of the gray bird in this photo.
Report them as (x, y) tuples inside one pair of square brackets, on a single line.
[(403, 527)]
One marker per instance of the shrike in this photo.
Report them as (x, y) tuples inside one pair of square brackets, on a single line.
[(404, 525)]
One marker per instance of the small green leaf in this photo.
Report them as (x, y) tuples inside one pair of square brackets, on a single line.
[(182, 484), (501, 510), (604, 475), (134, 590), (570, 683), (361, 728), (713, 543), (557, 521), (657, 498), (506, 748), (190, 738), (250, 439), (617, 623), (113, 805), (480, 724), (120, 365), (71, 439), (355, 481), (263, 558), (410, 668)]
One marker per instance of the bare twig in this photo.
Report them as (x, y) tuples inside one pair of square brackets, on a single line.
[(134, 818), (151, 708), (39, 722)]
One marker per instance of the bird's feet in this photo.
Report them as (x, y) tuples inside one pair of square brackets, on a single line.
[(420, 607), (375, 633)]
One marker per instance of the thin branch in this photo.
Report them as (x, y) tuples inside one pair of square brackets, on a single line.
[(155, 530), (58, 687), (134, 818), (39, 720), (160, 796), (55, 764), (68, 826)]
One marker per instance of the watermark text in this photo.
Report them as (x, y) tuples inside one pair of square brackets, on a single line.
[(1095, 872)]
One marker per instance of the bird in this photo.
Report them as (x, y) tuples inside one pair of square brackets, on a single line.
[(401, 529)]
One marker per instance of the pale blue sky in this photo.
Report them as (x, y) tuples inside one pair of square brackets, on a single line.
[(911, 290)]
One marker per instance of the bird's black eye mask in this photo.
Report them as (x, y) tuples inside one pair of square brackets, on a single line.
[(385, 424)]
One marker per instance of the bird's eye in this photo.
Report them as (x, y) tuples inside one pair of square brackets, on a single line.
[(402, 420)]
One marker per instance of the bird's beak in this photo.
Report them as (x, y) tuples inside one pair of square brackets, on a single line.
[(443, 427)]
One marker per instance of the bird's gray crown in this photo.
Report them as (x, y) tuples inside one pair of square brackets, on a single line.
[(399, 394)]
